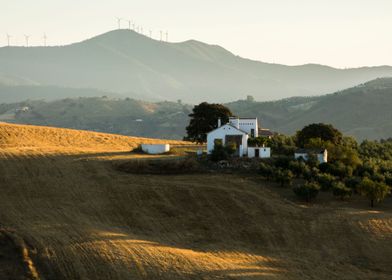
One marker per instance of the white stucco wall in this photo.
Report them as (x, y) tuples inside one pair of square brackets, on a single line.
[(264, 152), (155, 148), (221, 132), (246, 124), (322, 158)]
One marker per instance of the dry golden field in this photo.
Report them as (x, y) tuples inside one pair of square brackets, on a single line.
[(82, 219)]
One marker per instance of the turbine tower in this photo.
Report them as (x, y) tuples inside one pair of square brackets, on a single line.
[(27, 39), (167, 36), (45, 38), (161, 32), (119, 22), (8, 39), (129, 24)]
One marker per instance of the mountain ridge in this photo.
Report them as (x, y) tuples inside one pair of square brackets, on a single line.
[(125, 62)]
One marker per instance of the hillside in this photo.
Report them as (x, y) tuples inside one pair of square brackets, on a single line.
[(363, 111), (128, 63), (128, 117), (32, 138), (83, 219)]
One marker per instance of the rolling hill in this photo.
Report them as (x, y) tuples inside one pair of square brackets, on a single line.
[(82, 219), (362, 111), (125, 62)]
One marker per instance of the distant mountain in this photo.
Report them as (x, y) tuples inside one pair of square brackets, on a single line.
[(363, 111), (128, 63)]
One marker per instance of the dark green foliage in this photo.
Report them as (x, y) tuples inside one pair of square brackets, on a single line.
[(353, 183), (258, 141), (267, 170), (340, 190), (298, 167), (337, 169), (282, 145), (307, 191), (222, 152), (283, 176), (374, 191), (326, 181), (204, 118), (325, 132)]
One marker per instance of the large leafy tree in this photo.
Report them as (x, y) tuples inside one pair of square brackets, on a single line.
[(204, 118), (324, 132)]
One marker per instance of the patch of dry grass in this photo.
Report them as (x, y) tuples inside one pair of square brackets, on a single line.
[(85, 220)]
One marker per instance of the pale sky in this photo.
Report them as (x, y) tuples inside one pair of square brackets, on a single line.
[(340, 33)]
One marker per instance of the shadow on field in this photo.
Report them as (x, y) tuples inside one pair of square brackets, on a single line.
[(87, 220)]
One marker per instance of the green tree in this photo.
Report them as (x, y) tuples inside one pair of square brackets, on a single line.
[(374, 191), (284, 177), (340, 190), (307, 191), (204, 118), (325, 132)]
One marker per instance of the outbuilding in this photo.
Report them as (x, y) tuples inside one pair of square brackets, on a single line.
[(321, 154), (155, 149), (259, 152)]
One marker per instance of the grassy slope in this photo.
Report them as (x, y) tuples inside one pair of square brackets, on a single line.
[(86, 220)]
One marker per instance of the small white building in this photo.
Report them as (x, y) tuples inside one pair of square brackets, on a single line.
[(259, 152), (228, 134), (321, 154), (155, 149)]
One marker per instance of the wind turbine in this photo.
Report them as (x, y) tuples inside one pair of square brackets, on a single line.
[(134, 27), (119, 22), (8, 39), (167, 36), (45, 37), (129, 24), (27, 39), (161, 32)]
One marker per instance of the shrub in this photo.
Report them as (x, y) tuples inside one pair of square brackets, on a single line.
[(266, 170), (298, 167), (325, 180), (307, 191), (340, 190), (353, 183), (283, 177), (221, 152)]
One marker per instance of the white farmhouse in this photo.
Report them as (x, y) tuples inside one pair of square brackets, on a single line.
[(228, 134), (321, 154)]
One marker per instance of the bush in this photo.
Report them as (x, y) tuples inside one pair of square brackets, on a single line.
[(298, 167), (353, 183), (340, 190), (308, 191), (325, 180), (266, 170), (283, 177), (222, 152)]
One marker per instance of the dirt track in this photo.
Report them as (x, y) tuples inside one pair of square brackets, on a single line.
[(84, 220)]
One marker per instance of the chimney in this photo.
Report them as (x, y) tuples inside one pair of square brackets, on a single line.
[(219, 122)]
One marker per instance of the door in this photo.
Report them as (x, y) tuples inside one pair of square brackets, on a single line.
[(257, 153)]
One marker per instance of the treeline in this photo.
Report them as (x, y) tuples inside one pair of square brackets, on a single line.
[(352, 168)]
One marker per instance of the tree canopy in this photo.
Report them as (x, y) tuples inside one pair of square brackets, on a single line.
[(324, 132), (204, 118)]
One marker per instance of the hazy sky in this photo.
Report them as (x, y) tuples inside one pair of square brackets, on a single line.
[(340, 33)]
